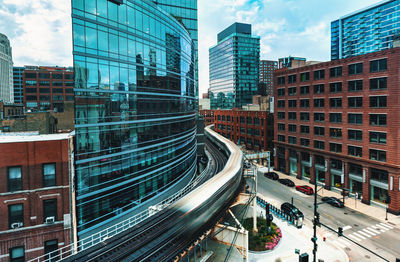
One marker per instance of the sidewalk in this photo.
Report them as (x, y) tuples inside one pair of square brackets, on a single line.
[(293, 238), (370, 210)]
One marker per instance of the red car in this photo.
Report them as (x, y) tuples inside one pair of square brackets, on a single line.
[(305, 189)]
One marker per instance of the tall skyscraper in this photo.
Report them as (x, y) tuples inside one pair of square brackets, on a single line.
[(267, 68), (18, 84), (234, 67), (6, 71), (135, 107), (368, 30)]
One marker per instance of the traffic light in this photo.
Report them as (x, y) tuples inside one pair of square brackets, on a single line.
[(340, 231)]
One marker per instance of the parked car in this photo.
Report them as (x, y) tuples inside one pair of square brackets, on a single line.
[(305, 189), (272, 175), (286, 182), (333, 201), (291, 210)]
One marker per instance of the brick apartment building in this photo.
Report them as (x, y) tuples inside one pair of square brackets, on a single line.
[(339, 122), (267, 68), (46, 88), (254, 129), (208, 116), (34, 195)]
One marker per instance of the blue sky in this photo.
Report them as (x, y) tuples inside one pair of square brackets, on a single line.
[(40, 30)]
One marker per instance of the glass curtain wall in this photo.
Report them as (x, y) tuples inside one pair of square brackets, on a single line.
[(134, 104)]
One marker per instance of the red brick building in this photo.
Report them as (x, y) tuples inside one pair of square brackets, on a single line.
[(34, 195), (46, 88), (267, 68), (251, 128), (338, 122), (208, 116)]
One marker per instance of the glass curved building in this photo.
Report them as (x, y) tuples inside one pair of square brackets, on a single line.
[(134, 104)]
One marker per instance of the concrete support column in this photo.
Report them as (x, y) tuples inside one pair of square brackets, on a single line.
[(313, 174), (328, 176), (299, 169), (366, 187), (276, 163), (287, 162), (346, 175), (394, 193)]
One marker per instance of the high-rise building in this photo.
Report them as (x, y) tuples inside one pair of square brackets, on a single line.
[(234, 67), (6, 71), (367, 30), (337, 123), (18, 84), (47, 88), (267, 68), (135, 111)]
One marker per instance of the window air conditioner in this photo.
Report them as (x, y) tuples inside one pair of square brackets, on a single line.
[(50, 220), (17, 225)]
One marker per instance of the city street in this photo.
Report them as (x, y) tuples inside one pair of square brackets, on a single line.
[(378, 236)]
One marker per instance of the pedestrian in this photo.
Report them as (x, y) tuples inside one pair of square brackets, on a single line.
[(356, 195)]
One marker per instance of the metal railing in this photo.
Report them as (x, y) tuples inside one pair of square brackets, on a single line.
[(113, 230)]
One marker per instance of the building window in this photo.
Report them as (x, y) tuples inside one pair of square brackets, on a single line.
[(304, 90), (292, 128), (354, 135), (15, 216), (319, 144), (292, 116), (292, 140), (319, 131), (335, 117), (335, 102), (17, 254), (355, 119), (354, 151), (49, 247), (379, 175), (242, 130), (281, 103), (281, 115), (281, 91), (223, 118), (305, 76), (304, 142), (49, 175), (335, 132), (319, 117), (249, 120), (355, 85), (292, 103), (377, 119), (377, 155), (14, 178), (50, 209), (378, 101), (319, 102), (304, 116), (256, 121), (319, 89), (304, 129), (355, 102), (378, 65), (281, 80), (335, 71), (292, 91), (335, 87), (281, 127), (291, 79), (378, 83), (337, 148), (304, 103), (355, 69), (320, 74), (377, 137), (281, 138)]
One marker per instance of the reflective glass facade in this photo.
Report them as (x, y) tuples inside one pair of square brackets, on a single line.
[(365, 31), (134, 106), (18, 84), (234, 68)]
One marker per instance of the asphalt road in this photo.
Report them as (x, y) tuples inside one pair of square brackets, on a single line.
[(383, 239)]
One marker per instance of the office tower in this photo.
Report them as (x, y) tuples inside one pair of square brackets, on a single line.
[(337, 123), (18, 84), (47, 88), (6, 71), (368, 30), (135, 108), (234, 67), (267, 68)]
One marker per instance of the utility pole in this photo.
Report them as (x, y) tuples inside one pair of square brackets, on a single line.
[(255, 199), (315, 221)]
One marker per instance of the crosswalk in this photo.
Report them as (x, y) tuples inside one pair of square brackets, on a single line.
[(360, 235)]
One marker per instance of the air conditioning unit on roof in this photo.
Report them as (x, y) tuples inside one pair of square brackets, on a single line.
[(50, 220)]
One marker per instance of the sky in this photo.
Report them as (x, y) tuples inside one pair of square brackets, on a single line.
[(40, 30)]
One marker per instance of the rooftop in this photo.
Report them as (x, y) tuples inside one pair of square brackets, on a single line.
[(26, 137)]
